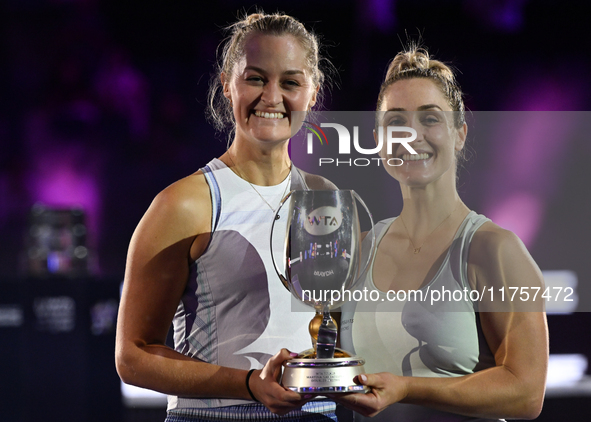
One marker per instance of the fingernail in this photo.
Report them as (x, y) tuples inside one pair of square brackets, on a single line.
[(293, 355), (363, 378)]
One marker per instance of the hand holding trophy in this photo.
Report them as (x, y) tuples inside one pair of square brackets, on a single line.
[(318, 235)]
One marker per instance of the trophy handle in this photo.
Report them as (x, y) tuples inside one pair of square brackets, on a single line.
[(372, 251), (281, 276)]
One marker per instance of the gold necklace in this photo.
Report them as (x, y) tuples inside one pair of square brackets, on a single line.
[(255, 189), (417, 250)]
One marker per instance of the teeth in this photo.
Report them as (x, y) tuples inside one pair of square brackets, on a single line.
[(268, 115), (415, 157)]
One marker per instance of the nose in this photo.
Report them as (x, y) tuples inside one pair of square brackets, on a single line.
[(413, 121), (271, 94)]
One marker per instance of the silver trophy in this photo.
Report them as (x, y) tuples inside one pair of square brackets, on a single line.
[(318, 235)]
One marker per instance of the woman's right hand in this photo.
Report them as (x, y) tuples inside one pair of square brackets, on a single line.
[(265, 386), (385, 389)]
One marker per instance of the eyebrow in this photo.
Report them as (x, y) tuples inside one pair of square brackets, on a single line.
[(421, 108), (287, 72)]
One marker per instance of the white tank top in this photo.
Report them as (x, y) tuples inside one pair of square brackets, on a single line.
[(235, 312), (415, 338)]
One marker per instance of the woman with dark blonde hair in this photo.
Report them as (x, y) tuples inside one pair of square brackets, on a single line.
[(200, 256), (464, 357)]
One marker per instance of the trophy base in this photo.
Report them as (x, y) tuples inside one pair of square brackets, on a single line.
[(306, 374)]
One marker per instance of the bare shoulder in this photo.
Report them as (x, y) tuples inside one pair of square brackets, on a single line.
[(317, 182), (498, 256), (184, 206), (491, 240), (188, 192)]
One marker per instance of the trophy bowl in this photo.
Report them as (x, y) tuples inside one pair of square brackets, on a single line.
[(316, 251)]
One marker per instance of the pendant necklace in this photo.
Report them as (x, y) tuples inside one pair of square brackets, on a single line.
[(255, 189), (418, 249)]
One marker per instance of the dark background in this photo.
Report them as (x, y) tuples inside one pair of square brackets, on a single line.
[(102, 106)]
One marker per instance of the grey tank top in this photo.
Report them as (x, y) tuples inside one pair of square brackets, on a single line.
[(418, 336), (235, 311)]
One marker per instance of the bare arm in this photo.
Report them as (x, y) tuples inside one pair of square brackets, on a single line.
[(514, 388), (173, 233)]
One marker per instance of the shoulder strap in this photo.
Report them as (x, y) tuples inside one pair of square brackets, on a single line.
[(216, 197), (471, 225), (298, 181)]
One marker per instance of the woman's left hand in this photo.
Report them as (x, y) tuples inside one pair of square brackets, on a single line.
[(386, 389), (265, 387)]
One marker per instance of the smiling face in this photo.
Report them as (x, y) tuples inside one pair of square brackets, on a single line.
[(268, 83), (418, 103)]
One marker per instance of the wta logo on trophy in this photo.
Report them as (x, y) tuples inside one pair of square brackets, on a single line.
[(323, 221)]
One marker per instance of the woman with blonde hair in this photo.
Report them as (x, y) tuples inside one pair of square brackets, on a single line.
[(464, 357), (200, 256)]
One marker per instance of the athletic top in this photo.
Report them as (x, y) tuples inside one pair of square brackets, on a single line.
[(433, 332), (235, 312)]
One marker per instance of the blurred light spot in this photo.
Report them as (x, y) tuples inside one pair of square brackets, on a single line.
[(502, 15), (565, 370), (55, 314), (64, 186), (560, 283), (521, 213), (141, 397), (11, 315), (103, 316), (382, 14)]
